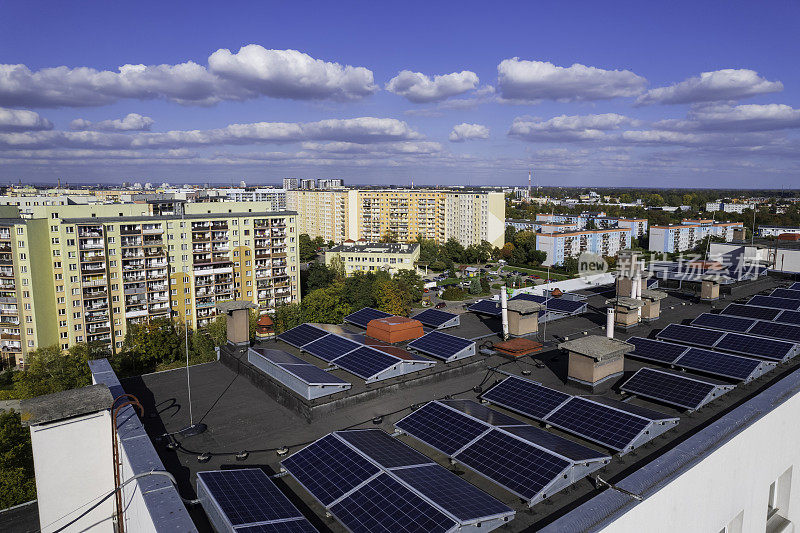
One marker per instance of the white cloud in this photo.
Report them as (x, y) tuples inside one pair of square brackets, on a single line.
[(567, 128), (747, 117), (22, 120), (252, 72), (363, 130), (419, 88), (719, 85), (131, 122), (521, 81), (291, 74), (464, 132)]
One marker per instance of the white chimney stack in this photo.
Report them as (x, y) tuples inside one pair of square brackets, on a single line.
[(504, 311), (610, 323)]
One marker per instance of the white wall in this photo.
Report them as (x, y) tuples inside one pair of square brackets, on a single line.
[(73, 465), (733, 479)]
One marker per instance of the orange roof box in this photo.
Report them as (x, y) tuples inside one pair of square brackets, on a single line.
[(394, 329)]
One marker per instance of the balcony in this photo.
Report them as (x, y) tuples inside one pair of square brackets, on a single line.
[(131, 243), (85, 233), (130, 229), (91, 245), (95, 294), (135, 313), (152, 230)]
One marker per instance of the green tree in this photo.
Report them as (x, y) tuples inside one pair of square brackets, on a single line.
[(411, 283), (475, 286), (327, 305), (453, 294), (391, 298), (319, 276), (308, 247), (17, 483), (484, 284), (217, 330), (358, 290), (288, 316), (51, 370), (148, 345)]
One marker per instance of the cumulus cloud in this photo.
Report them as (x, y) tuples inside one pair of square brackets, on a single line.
[(22, 120), (291, 74), (363, 130), (131, 122), (521, 81), (567, 128), (719, 85), (252, 72), (464, 132), (419, 88), (747, 117)]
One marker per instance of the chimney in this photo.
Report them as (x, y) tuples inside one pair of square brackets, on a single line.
[(610, 323), (504, 311)]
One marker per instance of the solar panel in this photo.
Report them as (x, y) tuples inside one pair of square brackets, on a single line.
[(795, 286), (249, 496), (459, 498), (564, 306), (786, 293), (652, 350), (312, 375), (789, 317), (330, 347), (559, 445), (382, 448), (278, 356), (485, 307), (434, 318), (690, 335), (513, 464), (652, 283), (598, 423), (751, 311), (771, 349), (441, 428), (525, 397), (365, 362), (301, 335), (776, 303), (787, 332), (670, 388), (385, 505), (530, 298), (718, 363), (482, 413), (723, 322), (363, 317), (328, 469), (441, 345), (293, 526)]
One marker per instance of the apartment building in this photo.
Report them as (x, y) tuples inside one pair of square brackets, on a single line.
[(774, 231), (276, 197), (83, 274), (729, 207), (371, 257), (604, 242), (638, 226), (403, 214), (685, 236)]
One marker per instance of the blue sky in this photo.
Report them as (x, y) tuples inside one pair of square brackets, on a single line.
[(584, 93)]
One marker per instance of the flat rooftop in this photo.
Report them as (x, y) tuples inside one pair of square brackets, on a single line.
[(242, 417)]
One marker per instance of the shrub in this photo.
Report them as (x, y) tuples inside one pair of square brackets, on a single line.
[(453, 293)]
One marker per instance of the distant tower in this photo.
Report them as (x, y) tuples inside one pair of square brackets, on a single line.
[(530, 177), (412, 183)]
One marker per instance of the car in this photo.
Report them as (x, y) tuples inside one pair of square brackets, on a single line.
[(536, 277), (440, 305)]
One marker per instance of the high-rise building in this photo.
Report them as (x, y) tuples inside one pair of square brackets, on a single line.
[(685, 236), (72, 274), (330, 183), (571, 244), (307, 184), (290, 183)]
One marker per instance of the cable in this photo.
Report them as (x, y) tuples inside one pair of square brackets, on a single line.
[(110, 494)]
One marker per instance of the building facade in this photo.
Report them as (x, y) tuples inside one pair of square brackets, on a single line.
[(276, 197), (685, 236), (603, 242), (638, 226), (326, 214), (774, 231), (79, 278), (371, 257)]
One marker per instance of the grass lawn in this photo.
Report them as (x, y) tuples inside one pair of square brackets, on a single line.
[(448, 281), (541, 273)]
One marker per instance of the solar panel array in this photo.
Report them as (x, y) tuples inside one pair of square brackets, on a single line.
[(786, 293), (795, 286), (751, 311), (435, 318), (309, 375), (530, 298), (558, 305), (371, 481), (364, 316), (657, 351), (614, 426), (674, 389), (367, 362), (776, 303), (782, 337), (690, 335), (486, 307), (526, 461), (443, 346), (247, 498)]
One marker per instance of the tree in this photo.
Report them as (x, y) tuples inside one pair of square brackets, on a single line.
[(452, 293), (308, 247), (453, 250), (358, 290), (391, 297), (17, 484), (475, 286), (217, 330), (51, 370), (437, 266), (319, 276), (389, 236), (411, 283), (288, 316), (148, 345), (327, 305), (484, 284), (510, 231)]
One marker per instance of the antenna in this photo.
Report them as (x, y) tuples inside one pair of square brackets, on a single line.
[(530, 178)]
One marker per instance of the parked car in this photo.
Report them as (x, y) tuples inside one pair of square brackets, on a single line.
[(440, 305)]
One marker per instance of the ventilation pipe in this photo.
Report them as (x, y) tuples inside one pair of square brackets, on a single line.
[(637, 286), (610, 323), (504, 311)]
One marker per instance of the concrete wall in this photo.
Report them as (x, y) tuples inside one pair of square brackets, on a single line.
[(74, 464)]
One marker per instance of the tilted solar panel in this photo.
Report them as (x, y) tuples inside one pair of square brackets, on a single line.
[(364, 316), (530, 298), (382, 448), (598, 423), (293, 526), (795, 286), (440, 345), (441, 428), (718, 363), (386, 505), (434, 318), (789, 317), (558, 445), (786, 293), (723, 322), (564, 306), (770, 349), (775, 303), (690, 335), (482, 413), (670, 388), (653, 350), (525, 397), (751, 311), (485, 307), (365, 362), (330, 347), (301, 335), (774, 330)]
